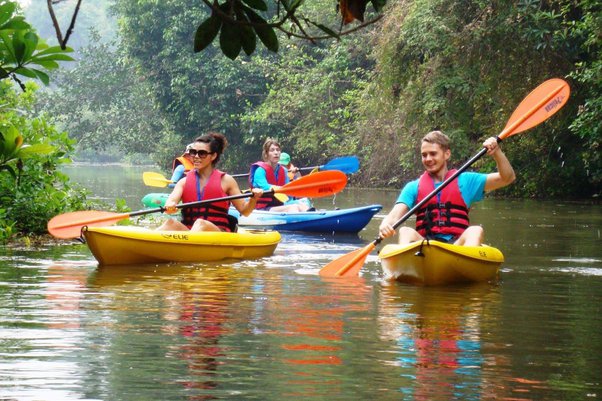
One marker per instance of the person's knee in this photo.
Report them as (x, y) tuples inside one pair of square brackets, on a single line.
[(407, 234), (473, 236)]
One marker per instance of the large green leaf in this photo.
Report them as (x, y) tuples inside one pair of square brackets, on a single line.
[(42, 76), (52, 50), (264, 31), (230, 41), (48, 64), (206, 33), (11, 140), (58, 57), (17, 23), (26, 72), (19, 46), (28, 151), (7, 52), (248, 38), (6, 11), (31, 43)]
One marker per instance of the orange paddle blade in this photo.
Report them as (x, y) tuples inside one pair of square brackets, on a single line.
[(69, 225), (323, 183), (348, 265), (538, 106)]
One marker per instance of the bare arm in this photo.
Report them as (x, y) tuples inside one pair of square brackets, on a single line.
[(245, 207), (505, 173), (175, 197), (386, 227)]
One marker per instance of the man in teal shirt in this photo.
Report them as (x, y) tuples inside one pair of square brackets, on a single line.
[(469, 188)]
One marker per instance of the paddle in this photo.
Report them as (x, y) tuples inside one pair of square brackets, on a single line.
[(538, 106), (155, 179), (346, 164), (158, 180), (69, 225)]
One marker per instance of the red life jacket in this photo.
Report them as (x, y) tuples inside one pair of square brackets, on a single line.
[(188, 165), (444, 214), (215, 212), (268, 200)]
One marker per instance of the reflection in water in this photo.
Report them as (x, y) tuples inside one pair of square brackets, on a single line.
[(308, 332), (438, 337), (196, 308), (271, 329), (64, 293)]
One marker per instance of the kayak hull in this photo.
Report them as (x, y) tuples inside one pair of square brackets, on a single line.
[(438, 263), (350, 220), (119, 245)]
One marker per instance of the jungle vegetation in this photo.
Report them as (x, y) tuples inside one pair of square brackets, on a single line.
[(459, 66)]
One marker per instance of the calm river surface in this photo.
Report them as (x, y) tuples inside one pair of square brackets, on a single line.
[(271, 329)]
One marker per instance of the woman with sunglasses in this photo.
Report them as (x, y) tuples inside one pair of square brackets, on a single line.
[(268, 174), (204, 181)]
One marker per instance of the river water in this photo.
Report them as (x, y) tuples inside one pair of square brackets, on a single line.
[(272, 329)]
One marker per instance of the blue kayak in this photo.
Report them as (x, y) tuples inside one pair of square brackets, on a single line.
[(350, 220), (321, 221)]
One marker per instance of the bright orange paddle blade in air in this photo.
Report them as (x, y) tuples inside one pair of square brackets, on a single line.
[(323, 183), (348, 265), (69, 225), (538, 106)]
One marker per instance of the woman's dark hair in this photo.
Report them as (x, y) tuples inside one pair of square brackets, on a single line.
[(217, 143)]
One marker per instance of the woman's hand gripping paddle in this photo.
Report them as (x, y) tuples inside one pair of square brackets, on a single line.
[(539, 105), (69, 225)]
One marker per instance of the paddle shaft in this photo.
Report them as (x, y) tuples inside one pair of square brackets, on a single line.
[(437, 190), (155, 210), (367, 249), (301, 169)]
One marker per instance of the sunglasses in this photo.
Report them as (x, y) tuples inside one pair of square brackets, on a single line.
[(201, 154)]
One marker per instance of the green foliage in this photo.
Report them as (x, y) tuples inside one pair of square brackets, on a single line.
[(197, 92), (240, 22), (467, 72), (312, 99), (106, 108), (22, 52), (36, 190)]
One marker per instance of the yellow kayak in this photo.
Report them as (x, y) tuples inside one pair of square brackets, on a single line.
[(439, 263), (119, 245)]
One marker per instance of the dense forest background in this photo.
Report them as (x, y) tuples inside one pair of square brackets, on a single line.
[(139, 93)]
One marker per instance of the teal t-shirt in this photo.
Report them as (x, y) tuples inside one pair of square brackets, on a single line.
[(260, 179), (472, 188)]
